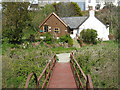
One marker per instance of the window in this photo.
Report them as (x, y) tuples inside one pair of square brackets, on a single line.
[(49, 29), (45, 28), (57, 30)]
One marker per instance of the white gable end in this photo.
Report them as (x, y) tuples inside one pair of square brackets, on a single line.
[(93, 23)]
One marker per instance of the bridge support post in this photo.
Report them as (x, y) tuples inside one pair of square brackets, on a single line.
[(89, 85)]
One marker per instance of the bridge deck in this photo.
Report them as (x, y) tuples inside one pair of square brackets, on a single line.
[(62, 76)]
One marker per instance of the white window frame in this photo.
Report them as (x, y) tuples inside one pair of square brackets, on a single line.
[(57, 30)]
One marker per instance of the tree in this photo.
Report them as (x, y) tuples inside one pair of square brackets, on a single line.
[(67, 9), (15, 19), (40, 15), (109, 15)]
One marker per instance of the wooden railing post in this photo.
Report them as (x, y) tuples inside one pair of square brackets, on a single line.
[(29, 77), (89, 85), (54, 60), (45, 73), (49, 70)]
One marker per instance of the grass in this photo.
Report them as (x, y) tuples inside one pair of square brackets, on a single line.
[(101, 62)]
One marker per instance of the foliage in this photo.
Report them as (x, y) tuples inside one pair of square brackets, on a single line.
[(85, 13), (66, 39), (28, 30), (89, 36), (32, 38), (49, 38), (39, 16), (101, 62), (77, 9), (16, 21), (67, 9), (19, 62), (109, 15)]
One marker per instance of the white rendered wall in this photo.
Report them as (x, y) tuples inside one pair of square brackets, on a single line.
[(93, 23), (74, 34)]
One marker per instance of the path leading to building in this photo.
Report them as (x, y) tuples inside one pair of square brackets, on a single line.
[(62, 76), (63, 57)]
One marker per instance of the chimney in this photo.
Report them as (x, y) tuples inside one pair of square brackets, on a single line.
[(91, 13)]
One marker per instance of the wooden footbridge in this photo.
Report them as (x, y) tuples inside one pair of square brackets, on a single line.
[(62, 75)]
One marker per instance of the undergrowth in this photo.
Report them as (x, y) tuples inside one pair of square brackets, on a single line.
[(101, 62), (18, 63)]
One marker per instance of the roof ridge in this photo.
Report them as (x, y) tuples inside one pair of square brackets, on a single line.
[(73, 17), (74, 22), (55, 16)]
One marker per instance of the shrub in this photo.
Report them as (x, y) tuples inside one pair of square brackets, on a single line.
[(111, 37), (66, 39), (89, 36), (49, 38), (19, 63), (32, 38), (100, 61)]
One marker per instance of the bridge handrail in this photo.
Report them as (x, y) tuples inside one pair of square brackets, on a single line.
[(87, 78), (73, 61), (79, 67), (29, 78), (47, 75), (53, 60)]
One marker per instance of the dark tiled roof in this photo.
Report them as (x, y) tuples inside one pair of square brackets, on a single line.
[(74, 22)]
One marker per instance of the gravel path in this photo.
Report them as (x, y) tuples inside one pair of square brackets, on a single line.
[(63, 57)]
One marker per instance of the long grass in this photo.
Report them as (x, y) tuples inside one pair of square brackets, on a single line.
[(101, 62), (18, 62)]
